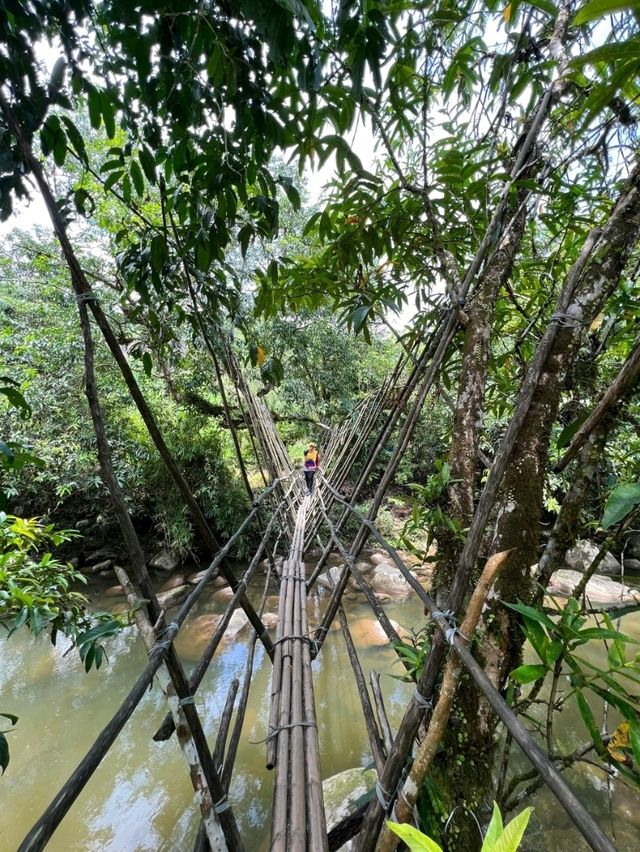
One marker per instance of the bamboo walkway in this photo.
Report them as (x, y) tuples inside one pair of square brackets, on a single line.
[(292, 738)]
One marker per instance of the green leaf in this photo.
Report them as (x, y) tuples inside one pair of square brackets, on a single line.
[(510, 838), (94, 105), (620, 503), (564, 438), (57, 77), (528, 673), (106, 108), (533, 614), (11, 717), (415, 840), (598, 8), (75, 137), (147, 363), (634, 739), (589, 720), (148, 164), (136, 177), (495, 828)]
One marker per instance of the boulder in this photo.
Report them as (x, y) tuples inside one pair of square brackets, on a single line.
[(344, 793), (173, 582), (236, 625), (90, 570), (270, 620), (194, 636), (172, 597), (223, 595), (364, 567), (113, 592), (165, 560), (387, 579), (582, 554), (632, 550), (367, 633), (599, 589), (119, 608), (101, 555), (377, 558), (105, 565), (330, 578), (632, 566)]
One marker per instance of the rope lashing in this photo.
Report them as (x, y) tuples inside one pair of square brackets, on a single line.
[(89, 296), (274, 733), (450, 618), (221, 805), (565, 320), (173, 626), (311, 642), (421, 701)]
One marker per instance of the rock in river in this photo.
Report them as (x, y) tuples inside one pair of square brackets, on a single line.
[(344, 793), (367, 632), (165, 560), (173, 582), (387, 579), (172, 597), (599, 589), (582, 554)]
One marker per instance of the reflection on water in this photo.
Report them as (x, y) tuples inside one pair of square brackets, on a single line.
[(140, 797)]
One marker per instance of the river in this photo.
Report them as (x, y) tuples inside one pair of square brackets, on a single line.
[(140, 797)]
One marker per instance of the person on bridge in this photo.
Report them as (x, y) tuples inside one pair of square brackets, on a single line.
[(311, 464)]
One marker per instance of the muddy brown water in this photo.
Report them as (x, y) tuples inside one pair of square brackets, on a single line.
[(140, 797)]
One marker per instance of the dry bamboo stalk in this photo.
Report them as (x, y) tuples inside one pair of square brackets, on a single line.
[(213, 829), (408, 796), (297, 833), (225, 721), (375, 740), (244, 698), (317, 836), (383, 721)]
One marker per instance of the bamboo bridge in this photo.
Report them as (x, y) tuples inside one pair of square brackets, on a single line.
[(291, 741)]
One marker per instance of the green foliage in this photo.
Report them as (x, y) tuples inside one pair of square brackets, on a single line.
[(621, 501), (557, 642), (497, 839), (429, 512), (413, 652), (36, 591)]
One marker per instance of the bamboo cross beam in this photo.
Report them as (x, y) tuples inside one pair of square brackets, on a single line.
[(167, 727), (212, 827)]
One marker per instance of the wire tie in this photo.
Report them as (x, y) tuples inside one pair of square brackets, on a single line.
[(276, 731), (221, 805), (426, 703), (188, 699), (89, 296), (565, 320), (383, 797)]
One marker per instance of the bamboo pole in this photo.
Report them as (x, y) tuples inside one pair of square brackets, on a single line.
[(408, 796), (383, 720), (375, 740), (166, 728), (225, 722), (212, 827)]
